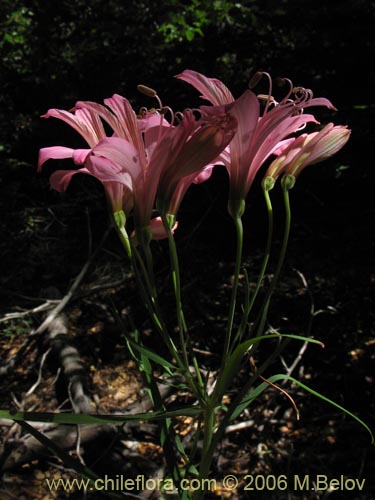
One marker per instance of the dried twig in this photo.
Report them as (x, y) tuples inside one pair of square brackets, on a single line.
[(42, 361), (72, 290), (46, 306)]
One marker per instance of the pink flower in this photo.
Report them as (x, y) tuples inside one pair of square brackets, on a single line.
[(86, 122), (308, 149), (159, 164), (146, 156), (258, 136)]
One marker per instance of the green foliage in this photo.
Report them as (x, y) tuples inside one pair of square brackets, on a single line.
[(16, 327), (186, 21), (15, 39)]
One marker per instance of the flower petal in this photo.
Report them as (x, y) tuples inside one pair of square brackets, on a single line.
[(122, 154), (60, 179), (157, 229), (106, 170), (212, 89), (53, 153), (85, 123)]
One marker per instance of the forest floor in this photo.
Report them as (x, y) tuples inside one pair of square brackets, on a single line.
[(326, 279)]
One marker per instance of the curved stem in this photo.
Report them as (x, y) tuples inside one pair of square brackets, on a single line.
[(180, 314), (153, 308), (233, 299), (261, 320), (266, 257)]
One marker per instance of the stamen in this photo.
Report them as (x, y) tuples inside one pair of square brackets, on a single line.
[(302, 94), (265, 97), (196, 112), (302, 127), (255, 79), (179, 116), (283, 81), (150, 93), (147, 90), (167, 109), (142, 112), (269, 98)]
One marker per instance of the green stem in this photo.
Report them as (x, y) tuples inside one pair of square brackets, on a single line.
[(232, 305), (146, 247), (197, 390), (261, 320), (147, 290), (206, 458), (242, 394), (266, 257), (124, 238), (169, 437)]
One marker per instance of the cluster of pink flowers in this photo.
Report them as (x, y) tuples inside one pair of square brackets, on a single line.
[(148, 161)]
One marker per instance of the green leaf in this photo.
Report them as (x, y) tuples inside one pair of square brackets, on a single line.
[(235, 359), (72, 462), (54, 448), (275, 378), (74, 418), (152, 355)]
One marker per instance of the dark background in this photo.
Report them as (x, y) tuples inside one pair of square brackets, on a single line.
[(55, 53)]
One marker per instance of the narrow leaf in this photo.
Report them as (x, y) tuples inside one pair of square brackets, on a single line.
[(74, 418), (235, 359), (261, 387)]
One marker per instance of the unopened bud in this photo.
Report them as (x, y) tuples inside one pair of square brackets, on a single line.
[(268, 183), (288, 181)]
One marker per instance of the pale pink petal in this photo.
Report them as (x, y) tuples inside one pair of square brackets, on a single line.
[(151, 120), (107, 171), (211, 89), (331, 142), (283, 145), (267, 139), (93, 124), (119, 197), (157, 229), (151, 127), (127, 119), (53, 153), (204, 175), (80, 155), (121, 153), (246, 111), (102, 111), (319, 101), (79, 124), (183, 185), (60, 179), (202, 147), (318, 147)]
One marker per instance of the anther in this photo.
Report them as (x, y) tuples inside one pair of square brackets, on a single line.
[(255, 79), (147, 90)]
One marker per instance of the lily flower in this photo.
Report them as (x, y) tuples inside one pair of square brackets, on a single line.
[(145, 156), (86, 122), (308, 149), (258, 135), (166, 156)]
